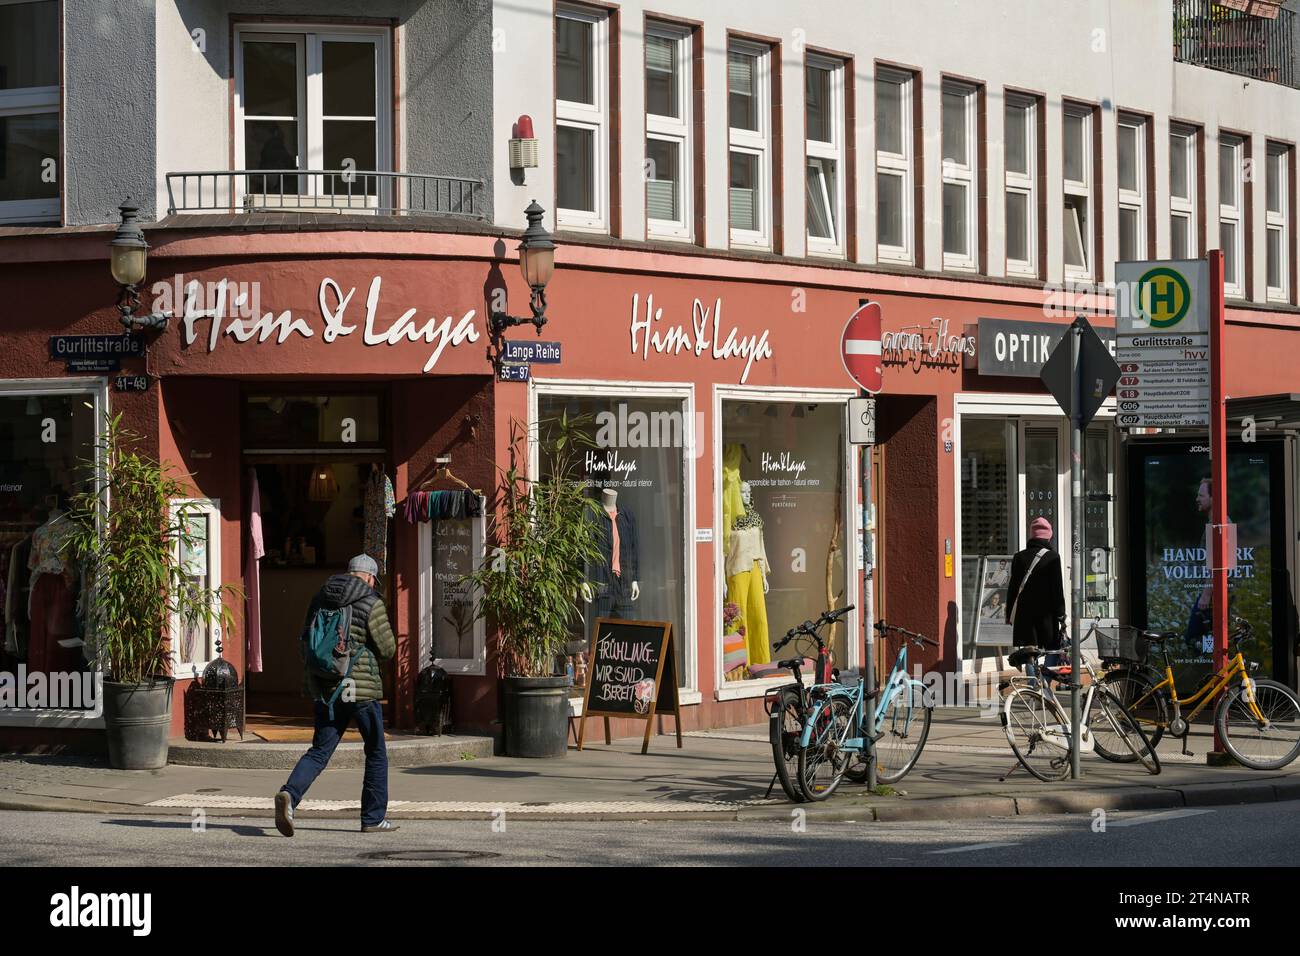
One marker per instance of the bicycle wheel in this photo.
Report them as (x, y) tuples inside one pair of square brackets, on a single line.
[(903, 729), (1267, 745), (1115, 729), (1036, 730), (1136, 690), (785, 726), (822, 762)]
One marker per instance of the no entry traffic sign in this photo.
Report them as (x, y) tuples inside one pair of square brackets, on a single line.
[(860, 347)]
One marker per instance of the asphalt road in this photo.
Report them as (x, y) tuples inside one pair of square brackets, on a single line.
[(1254, 835)]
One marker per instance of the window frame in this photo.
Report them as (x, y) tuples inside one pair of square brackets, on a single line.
[(36, 101), (469, 666), (1278, 221), (756, 143), (836, 151), (1234, 213), (211, 509), (1079, 190), (963, 174), (677, 131), (589, 117), (1134, 200), (1025, 183), (899, 165), (1184, 207), (308, 38)]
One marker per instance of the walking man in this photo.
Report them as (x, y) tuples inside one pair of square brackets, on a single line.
[(346, 688)]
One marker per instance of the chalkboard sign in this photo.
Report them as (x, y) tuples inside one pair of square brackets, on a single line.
[(632, 672)]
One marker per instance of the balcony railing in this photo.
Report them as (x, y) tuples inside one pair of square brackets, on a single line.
[(350, 192), (1254, 44)]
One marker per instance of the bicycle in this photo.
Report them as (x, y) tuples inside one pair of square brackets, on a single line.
[(1253, 715), (835, 736), (1038, 729), (788, 705)]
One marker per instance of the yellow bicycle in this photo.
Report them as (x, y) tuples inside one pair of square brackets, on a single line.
[(1258, 720)]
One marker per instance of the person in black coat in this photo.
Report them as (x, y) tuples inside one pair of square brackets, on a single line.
[(1039, 610)]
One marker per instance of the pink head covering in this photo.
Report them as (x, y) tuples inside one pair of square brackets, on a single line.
[(1040, 527)]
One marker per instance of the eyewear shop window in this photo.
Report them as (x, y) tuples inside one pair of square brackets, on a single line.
[(1013, 471), (634, 465), (783, 527), (44, 441)]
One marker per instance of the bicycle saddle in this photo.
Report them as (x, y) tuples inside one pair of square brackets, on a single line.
[(1023, 655)]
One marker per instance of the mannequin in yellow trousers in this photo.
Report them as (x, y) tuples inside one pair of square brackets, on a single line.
[(747, 571)]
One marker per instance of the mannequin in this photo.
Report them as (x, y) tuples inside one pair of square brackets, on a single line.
[(52, 597), (747, 570), (614, 585)]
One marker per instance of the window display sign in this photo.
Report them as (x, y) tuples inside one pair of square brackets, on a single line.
[(1171, 581), (991, 627)]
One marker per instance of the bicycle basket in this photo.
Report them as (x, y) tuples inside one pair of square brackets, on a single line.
[(1122, 642)]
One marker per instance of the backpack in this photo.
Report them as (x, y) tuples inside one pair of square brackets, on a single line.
[(329, 648)]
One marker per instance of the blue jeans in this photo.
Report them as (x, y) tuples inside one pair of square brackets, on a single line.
[(1050, 659), (369, 715)]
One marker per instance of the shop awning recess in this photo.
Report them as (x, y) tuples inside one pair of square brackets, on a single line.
[(1269, 411)]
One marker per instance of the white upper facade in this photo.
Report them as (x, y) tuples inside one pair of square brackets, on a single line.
[(1052, 135)]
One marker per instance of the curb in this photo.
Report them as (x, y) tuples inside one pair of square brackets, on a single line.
[(976, 806), (403, 752)]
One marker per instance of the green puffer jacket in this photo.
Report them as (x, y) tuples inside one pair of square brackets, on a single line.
[(370, 631)]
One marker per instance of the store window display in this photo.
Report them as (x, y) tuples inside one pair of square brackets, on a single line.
[(633, 461), (782, 526), (45, 439)]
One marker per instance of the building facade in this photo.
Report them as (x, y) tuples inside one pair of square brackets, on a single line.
[(333, 204)]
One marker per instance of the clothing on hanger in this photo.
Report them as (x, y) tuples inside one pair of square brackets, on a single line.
[(380, 505), (253, 580)]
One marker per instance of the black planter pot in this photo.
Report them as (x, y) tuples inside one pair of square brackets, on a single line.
[(137, 718), (535, 715)]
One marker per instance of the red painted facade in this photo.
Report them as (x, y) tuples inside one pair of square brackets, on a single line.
[(190, 415)]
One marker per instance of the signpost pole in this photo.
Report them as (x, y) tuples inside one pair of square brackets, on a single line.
[(1076, 535), (1218, 469), (869, 636)]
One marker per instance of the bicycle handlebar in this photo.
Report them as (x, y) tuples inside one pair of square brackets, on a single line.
[(883, 628), (811, 628)]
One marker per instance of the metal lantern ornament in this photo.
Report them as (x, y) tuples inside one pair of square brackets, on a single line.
[(214, 704)]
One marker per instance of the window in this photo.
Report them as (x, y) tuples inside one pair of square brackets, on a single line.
[(30, 157), (824, 155), (1132, 174), (782, 508), (1182, 193), (1232, 231), (451, 634), (581, 119), (48, 431), (960, 217), (313, 101), (634, 459), (895, 209), (198, 552), (749, 166), (1076, 220), (1020, 155), (1277, 237), (668, 148)]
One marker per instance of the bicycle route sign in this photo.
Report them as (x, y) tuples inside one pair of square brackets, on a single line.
[(631, 673)]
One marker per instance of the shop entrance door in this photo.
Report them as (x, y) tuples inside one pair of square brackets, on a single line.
[(1045, 484)]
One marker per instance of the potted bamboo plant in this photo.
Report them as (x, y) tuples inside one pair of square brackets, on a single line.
[(544, 537), (128, 541)]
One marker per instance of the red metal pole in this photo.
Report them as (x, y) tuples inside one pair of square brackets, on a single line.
[(1218, 466)]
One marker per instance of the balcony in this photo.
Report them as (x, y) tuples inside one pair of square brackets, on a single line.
[(322, 191), (1254, 38)]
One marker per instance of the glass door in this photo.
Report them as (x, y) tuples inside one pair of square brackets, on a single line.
[(1044, 477)]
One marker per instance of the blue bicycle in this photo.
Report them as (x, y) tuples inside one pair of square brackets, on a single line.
[(834, 741)]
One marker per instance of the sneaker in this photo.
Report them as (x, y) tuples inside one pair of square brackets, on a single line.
[(284, 813), (383, 826)]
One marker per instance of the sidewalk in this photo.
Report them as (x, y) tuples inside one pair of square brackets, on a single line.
[(719, 774)]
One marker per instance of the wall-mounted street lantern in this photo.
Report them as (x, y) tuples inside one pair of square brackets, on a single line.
[(128, 254), (537, 263)]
